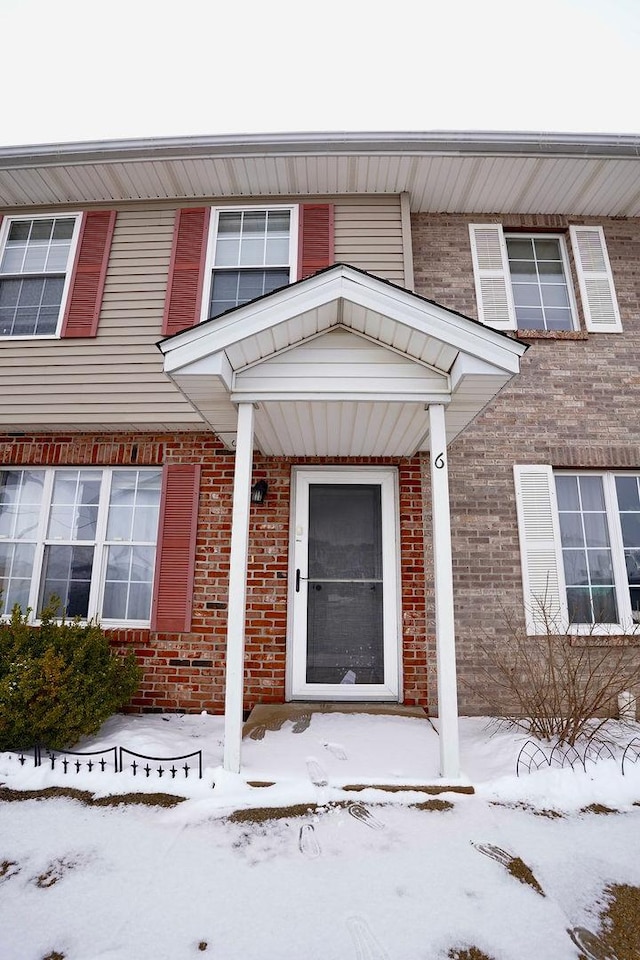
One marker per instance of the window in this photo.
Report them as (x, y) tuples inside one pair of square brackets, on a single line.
[(580, 541), (86, 535), (543, 300), (252, 254), (35, 255), (523, 282)]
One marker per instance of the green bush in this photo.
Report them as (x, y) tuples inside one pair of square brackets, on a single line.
[(59, 681)]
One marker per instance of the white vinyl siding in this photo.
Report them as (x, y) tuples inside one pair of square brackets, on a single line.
[(369, 235)]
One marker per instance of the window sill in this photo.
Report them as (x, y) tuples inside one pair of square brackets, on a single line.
[(606, 640), (550, 334)]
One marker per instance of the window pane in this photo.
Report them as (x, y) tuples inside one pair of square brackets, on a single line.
[(35, 258), (16, 566), (596, 530), (529, 318), (278, 222), (277, 251), (547, 249), (526, 294), (41, 231), (575, 568), (591, 493), (19, 231), (571, 532), (567, 491), (227, 252), (252, 253), (229, 223), (628, 493), (519, 249), (128, 583), (67, 575), (254, 223), (20, 498), (600, 567), (74, 505), (63, 229), (558, 319), (630, 529), (555, 295), (604, 605)]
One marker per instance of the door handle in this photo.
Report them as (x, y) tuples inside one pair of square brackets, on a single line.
[(298, 579)]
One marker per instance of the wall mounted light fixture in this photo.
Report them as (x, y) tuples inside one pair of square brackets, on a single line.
[(259, 491)]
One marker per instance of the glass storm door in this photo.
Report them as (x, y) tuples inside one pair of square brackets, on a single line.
[(344, 586)]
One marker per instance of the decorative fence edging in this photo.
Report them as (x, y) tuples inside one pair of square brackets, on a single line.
[(112, 758), (532, 757)]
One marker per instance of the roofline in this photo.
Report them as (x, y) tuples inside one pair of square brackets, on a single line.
[(484, 143)]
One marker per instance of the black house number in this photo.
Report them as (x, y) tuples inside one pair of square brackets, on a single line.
[(439, 461)]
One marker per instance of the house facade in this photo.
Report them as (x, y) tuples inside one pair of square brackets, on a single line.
[(300, 418)]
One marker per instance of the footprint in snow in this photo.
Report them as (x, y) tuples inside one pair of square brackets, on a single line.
[(336, 749), (359, 812), (366, 944), (307, 841), (591, 945), (316, 774)]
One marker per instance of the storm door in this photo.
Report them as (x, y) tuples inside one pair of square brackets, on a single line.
[(344, 585)]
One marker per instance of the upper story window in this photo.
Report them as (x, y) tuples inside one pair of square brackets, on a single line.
[(252, 253), (542, 295), (523, 282), (87, 536), (35, 256)]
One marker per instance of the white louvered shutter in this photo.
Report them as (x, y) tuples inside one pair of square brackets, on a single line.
[(601, 314), (491, 275), (542, 570)]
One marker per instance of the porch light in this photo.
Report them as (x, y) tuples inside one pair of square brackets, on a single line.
[(259, 491)]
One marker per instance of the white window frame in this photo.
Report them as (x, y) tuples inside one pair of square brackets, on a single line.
[(213, 236), (5, 226), (626, 623), (568, 278), (100, 542), (543, 575)]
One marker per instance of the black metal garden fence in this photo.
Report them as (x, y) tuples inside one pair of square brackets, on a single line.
[(112, 759), (533, 757)]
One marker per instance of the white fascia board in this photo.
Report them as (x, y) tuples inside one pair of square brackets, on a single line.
[(438, 322), (465, 366), (365, 291), (250, 320), (355, 396), (214, 365)]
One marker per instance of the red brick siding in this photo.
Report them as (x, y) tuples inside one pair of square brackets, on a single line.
[(185, 671), (575, 404)]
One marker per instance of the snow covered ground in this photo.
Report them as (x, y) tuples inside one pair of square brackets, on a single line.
[(355, 876)]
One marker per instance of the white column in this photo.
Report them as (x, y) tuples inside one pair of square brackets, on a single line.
[(237, 604), (443, 582)]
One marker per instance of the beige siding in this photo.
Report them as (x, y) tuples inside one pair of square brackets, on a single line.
[(369, 235), (116, 379)]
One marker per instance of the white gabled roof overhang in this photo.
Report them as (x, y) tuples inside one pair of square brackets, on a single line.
[(340, 364)]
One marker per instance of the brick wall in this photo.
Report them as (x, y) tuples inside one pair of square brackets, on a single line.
[(186, 671), (576, 403)]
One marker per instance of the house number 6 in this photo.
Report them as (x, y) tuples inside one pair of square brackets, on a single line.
[(439, 461)]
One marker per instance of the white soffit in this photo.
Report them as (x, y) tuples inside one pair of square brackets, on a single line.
[(351, 374), (580, 175)]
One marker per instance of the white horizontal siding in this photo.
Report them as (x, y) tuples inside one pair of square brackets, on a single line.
[(368, 235)]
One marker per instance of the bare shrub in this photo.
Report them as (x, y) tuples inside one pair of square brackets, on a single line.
[(557, 685)]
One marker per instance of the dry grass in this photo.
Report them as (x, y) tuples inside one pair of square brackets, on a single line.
[(519, 869), (598, 808), (433, 805), (468, 953), (84, 796), (536, 811), (620, 921), (263, 814)]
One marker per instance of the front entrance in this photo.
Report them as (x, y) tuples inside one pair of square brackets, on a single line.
[(344, 630)]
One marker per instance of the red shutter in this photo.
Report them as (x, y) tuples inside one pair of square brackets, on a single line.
[(173, 582), (186, 270), (315, 242), (88, 276)]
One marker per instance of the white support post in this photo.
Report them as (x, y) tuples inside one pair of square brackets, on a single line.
[(237, 604), (443, 582)]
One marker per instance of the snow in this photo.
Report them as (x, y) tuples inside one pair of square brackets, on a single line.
[(360, 876)]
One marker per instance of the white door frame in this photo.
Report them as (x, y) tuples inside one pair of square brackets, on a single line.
[(296, 686)]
